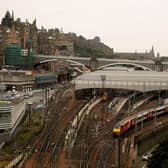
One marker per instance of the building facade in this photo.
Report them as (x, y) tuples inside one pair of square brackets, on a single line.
[(15, 32), (147, 55), (47, 42), (5, 116), (54, 42)]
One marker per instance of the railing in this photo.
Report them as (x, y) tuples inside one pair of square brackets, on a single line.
[(77, 122), (15, 161)]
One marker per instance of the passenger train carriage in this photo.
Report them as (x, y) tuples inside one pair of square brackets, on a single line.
[(123, 125)]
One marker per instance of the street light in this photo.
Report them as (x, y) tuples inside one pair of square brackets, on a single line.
[(46, 96), (29, 112), (117, 152), (103, 78), (2, 89)]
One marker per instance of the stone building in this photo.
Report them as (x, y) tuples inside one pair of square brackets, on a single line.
[(54, 42), (135, 55), (16, 32), (49, 42)]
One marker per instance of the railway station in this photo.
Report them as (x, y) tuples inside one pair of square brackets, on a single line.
[(114, 103), (60, 109)]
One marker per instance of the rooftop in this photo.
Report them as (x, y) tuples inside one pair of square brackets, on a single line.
[(134, 80)]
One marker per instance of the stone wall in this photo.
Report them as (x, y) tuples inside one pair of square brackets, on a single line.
[(148, 140)]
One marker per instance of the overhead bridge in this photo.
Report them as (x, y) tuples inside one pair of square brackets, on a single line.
[(125, 64), (101, 61), (143, 81)]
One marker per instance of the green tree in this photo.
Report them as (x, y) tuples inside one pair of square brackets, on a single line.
[(159, 157)]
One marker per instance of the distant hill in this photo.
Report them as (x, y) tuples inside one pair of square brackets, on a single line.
[(90, 47)]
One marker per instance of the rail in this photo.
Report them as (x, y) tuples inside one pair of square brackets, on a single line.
[(15, 161), (72, 133)]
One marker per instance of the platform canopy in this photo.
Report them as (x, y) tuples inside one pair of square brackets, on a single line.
[(136, 80)]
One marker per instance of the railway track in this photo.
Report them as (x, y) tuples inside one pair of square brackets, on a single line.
[(94, 149), (97, 150), (46, 138), (106, 152), (91, 145), (58, 140), (50, 143), (53, 135)]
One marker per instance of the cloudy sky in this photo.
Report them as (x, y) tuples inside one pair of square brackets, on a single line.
[(125, 25)]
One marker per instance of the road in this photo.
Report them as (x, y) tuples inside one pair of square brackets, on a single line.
[(20, 108)]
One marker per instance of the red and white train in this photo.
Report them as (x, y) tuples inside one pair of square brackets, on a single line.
[(128, 122)]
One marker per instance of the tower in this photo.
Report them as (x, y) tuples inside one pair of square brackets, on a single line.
[(8, 20), (12, 15), (152, 52)]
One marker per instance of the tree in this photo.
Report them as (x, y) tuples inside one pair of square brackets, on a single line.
[(159, 157)]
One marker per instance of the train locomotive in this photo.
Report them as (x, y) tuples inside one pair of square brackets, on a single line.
[(125, 124)]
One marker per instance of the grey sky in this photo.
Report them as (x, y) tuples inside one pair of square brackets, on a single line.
[(125, 25)]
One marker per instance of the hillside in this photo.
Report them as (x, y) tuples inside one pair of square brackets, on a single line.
[(90, 47)]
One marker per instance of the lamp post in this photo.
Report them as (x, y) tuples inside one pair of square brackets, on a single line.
[(29, 112), (103, 78), (2, 89), (117, 151), (46, 96), (157, 104)]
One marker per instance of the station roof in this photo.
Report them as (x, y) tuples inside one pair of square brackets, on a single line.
[(136, 80), (125, 75)]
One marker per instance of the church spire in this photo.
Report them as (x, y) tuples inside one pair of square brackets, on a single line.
[(34, 23), (7, 20), (152, 51), (61, 31), (7, 15), (12, 15)]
